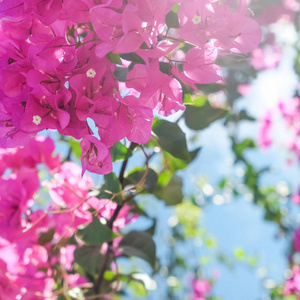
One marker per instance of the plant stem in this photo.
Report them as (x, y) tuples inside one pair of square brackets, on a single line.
[(124, 164), (110, 224), (103, 269)]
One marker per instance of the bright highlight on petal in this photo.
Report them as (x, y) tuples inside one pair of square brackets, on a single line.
[(91, 73), (37, 120)]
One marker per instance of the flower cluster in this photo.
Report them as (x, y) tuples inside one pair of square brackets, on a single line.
[(265, 133), (34, 238), (292, 284), (289, 110), (270, 52), (201, 289), (111, 61)]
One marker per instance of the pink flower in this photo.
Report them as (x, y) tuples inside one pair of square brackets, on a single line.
[(95, 156), (158, 90), (292, 285), (296, 199), (201, 289), (244, 89), (200, 67), (68, 188), (54, 73), (67, 256), (296, 240), (204, 20), (265, 139), (266, 58), (137, 119), (74, 280), (14, 199)]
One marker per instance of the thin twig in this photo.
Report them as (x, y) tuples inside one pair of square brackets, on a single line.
[(110, 223)]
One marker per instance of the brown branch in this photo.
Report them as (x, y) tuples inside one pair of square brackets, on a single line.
[(103, 268), (110, 223)]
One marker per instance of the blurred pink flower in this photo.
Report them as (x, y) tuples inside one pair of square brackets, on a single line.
[(265, 139)]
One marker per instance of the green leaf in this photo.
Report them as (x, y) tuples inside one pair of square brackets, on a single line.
[(172, 192), (290, 297), (114, 58), (194, 153), (172, 20), (71, 31), (200, 117), (138, 287), (173, 164), (175, 8), (96, 233), (210, 88), (239, 148), (63, 297), (120, 73), (171, 138), (243, 115), (252, 261), (187, 99), (75, 147), (135, 209), (113, 185), (151, 229), (165, 177), (239, 254), (210, 243), (188, 214), (72, 240), (223, 183), (165, 67), (139, 244), (109, 275), (120, 152), (88, 257), (205, 260), (133, 57), (198, 101), (136, 175), (46, 237)]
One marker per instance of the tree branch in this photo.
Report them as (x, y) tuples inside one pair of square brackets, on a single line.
[(124, 164), (110, 224)]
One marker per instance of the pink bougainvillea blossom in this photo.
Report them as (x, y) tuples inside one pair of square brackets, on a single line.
[(59, 64), (201, 288), (28, 264), (265, 135)]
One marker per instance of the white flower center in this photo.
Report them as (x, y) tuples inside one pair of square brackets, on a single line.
[(91, 73), (37, 120), (196, 20)]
